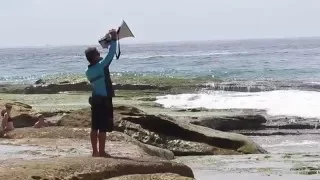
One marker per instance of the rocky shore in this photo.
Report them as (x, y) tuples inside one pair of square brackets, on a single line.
[(154, 83), (146, 139), (141, 146)]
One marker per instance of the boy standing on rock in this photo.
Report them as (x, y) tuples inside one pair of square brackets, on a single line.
[(101, 100)]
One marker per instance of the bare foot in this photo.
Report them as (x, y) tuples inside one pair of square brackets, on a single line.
[(95, 154), (5, 135), (104, 154)]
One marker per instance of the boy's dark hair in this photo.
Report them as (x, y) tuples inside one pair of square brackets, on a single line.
[(91, 53)]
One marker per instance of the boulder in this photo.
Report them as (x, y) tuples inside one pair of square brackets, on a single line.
[(40, 81), (78, 118), (292, 122), (22, 114), (283, 125), (164, 132), (228, 123), (89, 168)]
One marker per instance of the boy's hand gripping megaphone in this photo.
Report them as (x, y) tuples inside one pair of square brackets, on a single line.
[(123, 32)]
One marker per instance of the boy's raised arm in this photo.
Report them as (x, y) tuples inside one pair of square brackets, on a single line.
[(112, 50), (109, 57)]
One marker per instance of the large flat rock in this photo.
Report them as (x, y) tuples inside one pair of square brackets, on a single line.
[(89, 168), (182, 138), (157, 176), (118, 144)]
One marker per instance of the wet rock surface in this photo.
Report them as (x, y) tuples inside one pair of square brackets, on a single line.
[(165, 132), (233, 122), (256, 123)]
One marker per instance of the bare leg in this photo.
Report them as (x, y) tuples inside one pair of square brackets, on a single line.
[(102, 145), (94, 143), (4, 123), (4, 127)]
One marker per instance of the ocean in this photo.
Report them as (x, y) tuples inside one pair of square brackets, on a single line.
[(279, 76), (288, 68)]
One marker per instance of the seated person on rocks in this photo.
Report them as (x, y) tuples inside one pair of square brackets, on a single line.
[(41, 122), (7, 121)]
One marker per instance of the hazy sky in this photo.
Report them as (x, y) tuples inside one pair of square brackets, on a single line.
[(71, 22)]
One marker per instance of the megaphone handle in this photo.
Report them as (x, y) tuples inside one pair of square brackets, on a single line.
[(119, 53)]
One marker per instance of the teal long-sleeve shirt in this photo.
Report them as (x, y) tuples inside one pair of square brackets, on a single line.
[(99, 76)]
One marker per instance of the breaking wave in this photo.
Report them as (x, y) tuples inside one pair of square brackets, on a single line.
[(281, 102)]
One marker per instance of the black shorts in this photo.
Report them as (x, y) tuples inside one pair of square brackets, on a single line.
[(101, 113)]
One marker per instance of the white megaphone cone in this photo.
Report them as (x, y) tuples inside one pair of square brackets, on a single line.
[(123, 32)]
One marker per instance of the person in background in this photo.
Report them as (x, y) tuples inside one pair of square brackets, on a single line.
[(101, 100), (7, 121), (41, 122)]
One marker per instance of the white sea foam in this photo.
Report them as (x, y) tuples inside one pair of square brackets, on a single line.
[(294, 143), (282, 102)]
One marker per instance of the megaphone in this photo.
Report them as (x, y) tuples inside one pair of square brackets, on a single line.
[(123, 32)]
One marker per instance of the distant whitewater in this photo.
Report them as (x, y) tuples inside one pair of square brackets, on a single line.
[(278, 103)]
